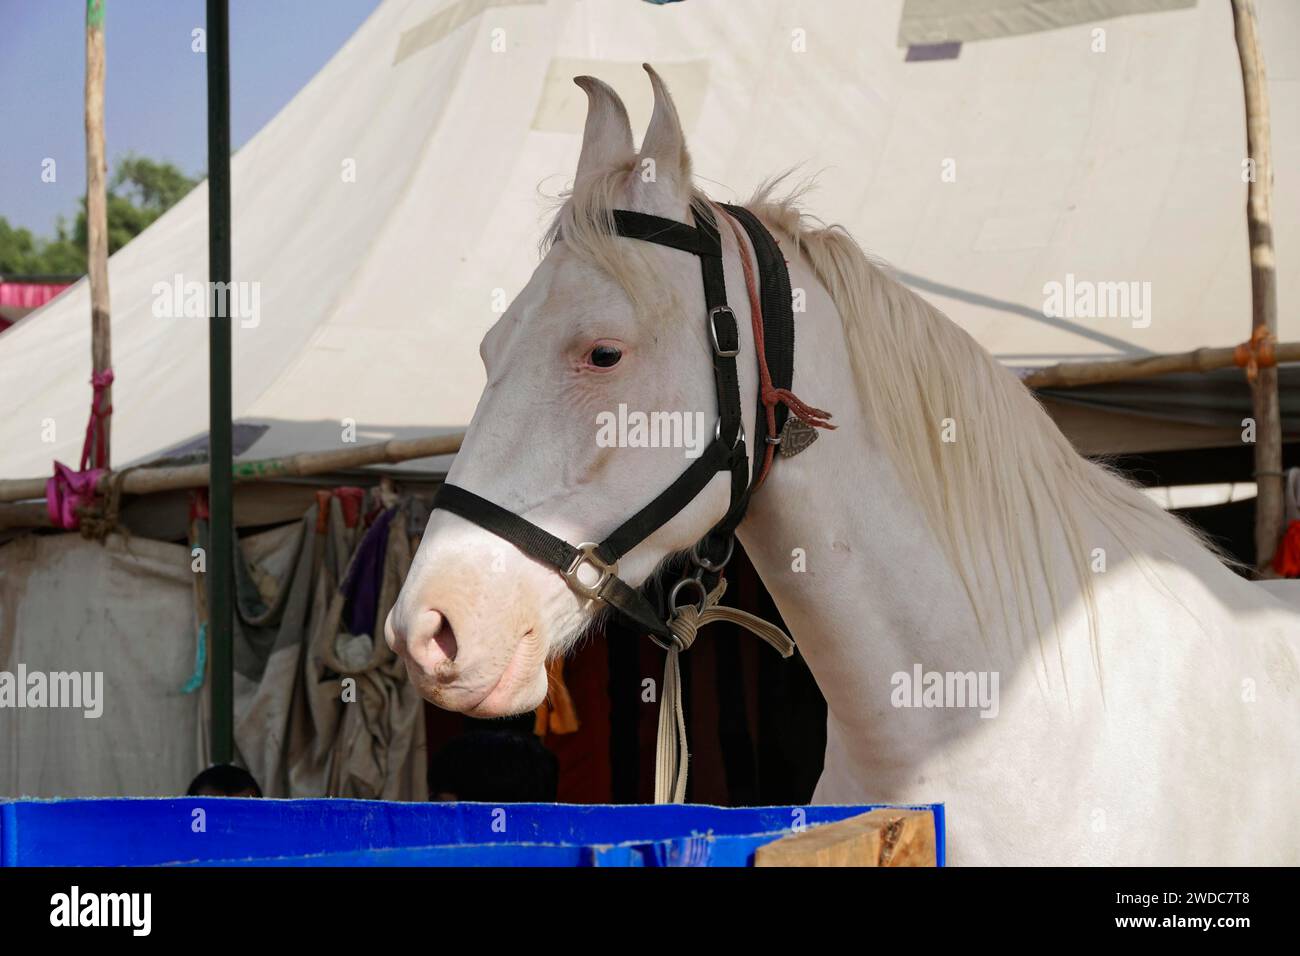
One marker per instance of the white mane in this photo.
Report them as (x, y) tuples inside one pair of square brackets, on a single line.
[(1011, 486)]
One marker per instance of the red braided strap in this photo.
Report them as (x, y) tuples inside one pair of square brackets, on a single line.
[(770, 396)]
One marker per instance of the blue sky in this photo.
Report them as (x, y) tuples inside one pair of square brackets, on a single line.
[(155, 93)]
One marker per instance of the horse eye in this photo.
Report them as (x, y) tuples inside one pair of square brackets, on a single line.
[(605, 356)]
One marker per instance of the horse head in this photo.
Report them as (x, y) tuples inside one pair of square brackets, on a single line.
[(600, 335)]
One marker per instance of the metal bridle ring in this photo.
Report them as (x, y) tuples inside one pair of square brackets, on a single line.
[(672, 595), (705, 563), (672, 643), (740, 433)]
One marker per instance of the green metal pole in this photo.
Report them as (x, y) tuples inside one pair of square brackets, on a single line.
[(221, 540)]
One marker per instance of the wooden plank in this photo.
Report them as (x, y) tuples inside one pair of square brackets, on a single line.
[(887, 837)]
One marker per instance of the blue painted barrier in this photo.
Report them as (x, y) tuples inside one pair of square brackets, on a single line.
[(247, 832)]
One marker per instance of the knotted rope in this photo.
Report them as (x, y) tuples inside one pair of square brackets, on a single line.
[(1256, 353), (97, 518), (94, 450), (672, 757)]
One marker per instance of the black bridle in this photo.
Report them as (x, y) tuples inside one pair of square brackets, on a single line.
[(727, 452)]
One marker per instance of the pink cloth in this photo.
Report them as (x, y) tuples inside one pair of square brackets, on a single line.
[(28, 295), (69, 490)]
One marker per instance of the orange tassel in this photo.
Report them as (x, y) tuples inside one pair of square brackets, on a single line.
[(556, 714), (809, 415)]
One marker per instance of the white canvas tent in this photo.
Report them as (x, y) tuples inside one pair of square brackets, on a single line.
[(398, 199)]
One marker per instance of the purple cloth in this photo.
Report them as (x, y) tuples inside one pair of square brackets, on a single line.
[(366, 577)]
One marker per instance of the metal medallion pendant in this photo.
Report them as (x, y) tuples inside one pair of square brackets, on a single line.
[(796, 436)]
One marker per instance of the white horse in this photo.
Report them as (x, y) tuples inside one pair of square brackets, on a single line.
[(1141, 700)]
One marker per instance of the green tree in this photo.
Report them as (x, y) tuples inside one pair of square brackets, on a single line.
[(139, 192), (18, 250), (153, 187)]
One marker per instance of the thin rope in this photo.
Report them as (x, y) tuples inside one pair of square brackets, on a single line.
[(93, 449), (672, 759)]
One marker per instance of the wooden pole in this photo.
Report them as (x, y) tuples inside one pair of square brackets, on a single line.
[(143, 481), (1263, 285), (101, 348), (33, 514), (27, 514), (1074, 374)]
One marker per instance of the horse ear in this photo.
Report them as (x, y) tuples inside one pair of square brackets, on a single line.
[(664, 142), (607, 137)]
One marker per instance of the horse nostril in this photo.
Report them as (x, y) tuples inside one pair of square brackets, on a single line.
[(443, 635)]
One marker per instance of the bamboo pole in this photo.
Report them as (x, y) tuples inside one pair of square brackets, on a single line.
[(1073, 374), (27, 514), (1263, 285), (101, 348), (143, 481)]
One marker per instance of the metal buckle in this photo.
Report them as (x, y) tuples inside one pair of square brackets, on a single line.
[(587, 555), (718, 350)]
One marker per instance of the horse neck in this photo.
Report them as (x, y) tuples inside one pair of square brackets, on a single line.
[(844, 550), (864, 589), (868, 591)]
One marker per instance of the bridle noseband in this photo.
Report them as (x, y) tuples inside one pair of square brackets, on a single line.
[(727, 452)]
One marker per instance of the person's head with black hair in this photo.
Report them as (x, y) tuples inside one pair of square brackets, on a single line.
[(494, 766), (224, 780)]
